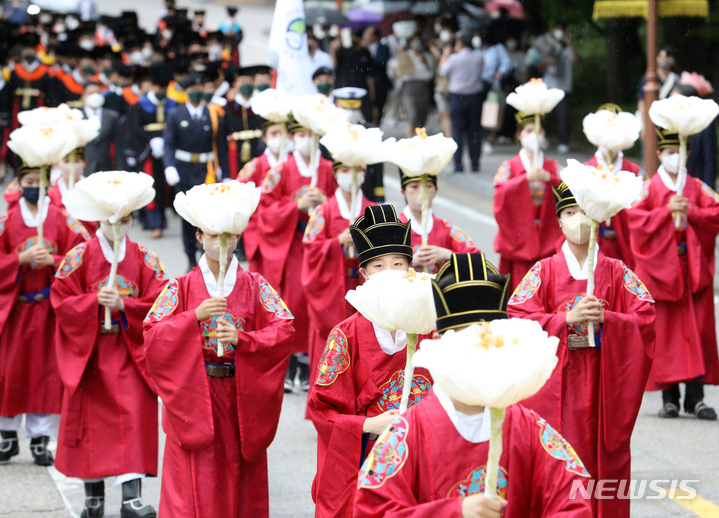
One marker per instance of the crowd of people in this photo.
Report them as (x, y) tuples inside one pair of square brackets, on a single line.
[(221, 344)]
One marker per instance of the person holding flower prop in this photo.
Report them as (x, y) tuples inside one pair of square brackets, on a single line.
[(612, 131), (290, 192), (523, 207), (221, 404), (275, 107), (675, 263), (31, 383), (103, 367), (468, 450), (329, 254), (361, 375), (594, 394)]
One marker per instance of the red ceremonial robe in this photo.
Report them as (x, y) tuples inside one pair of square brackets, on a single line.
[(356, 380), (109, 410), (526, 216), (57, 192), (421, 467), (29, 379), (594, 394), (282, 227), (325, 262), (614, 233), (441, 233), (218, 429), (678, 269), (255, 171)]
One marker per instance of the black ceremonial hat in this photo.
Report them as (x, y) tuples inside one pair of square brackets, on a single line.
[(26, 169), (468, 290), (563, 197), (610, 107), (266, 123), (295, 126), (160, 75), (378, 232), (525, 118), (404, 179), (667, 138)]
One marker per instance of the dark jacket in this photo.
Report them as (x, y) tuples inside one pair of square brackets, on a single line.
[(98, 151), (702, 161)]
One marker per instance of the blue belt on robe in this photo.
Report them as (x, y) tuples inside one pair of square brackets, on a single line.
[(682, 249), (353, 273), (607, 232), (301, 226), (34, 297)]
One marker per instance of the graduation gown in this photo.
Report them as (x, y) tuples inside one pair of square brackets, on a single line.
[(282, 227), (29, 379), (255, 171), (614, 233), (242, 126), (526, 216), (421, 467), (356, 380), (109, 411), (678, 269), (441, 233), (218, 429), (594, 394), (65, 88), (325, 262)]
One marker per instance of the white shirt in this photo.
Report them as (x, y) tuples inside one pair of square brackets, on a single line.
[(344, 206), (108, 250), (674, 187), (579, 274), (473, 428), (527, 163), (195, 113), (417, 225), (302, 167), (389, 346), (618, 157), (271, 158), (91, 112), (27, 216), (152, 98), (321, 59), (211, 283), (245, 103)]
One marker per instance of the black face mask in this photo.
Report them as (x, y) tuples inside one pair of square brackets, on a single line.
[(207, 97), (88, 71), (30, 59), (31, 194), (324, 88), (160, 96), (247, 90), (262, 87), (195, 96)]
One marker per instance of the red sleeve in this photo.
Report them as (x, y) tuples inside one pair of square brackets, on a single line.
[(75, 234), (9, 273), (262, 356), (703, 216), (460, 243), (176, 365), (277, 224)]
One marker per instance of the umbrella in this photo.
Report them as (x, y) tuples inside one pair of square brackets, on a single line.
[(360, 18), (432, 7), (513, 7), (325, 16)]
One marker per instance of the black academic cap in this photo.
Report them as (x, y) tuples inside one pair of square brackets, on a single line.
[(216, 35), (261, 69), (29, 39), (323, 71), (182, 13), (230, 73), (232, 11), (199, 12), (212, 69), (192, 80), (160, 75), (122, 70)]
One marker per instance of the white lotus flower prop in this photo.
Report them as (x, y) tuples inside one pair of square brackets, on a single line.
[(613, 131), (421, 156), (398, 300), (110, 196), (273, 105), (494, 364), (534, 98), (221, 208), (44, 116), (355, 145)]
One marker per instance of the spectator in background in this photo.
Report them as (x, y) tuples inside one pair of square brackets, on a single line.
[(318, 57), (463, 68), (15, 12), (496, 67), (445, 30), (87, 10), (324, 80), (230, 26), (414, 70), (667, 79), (353, 67), (557, 67), (518, 77), (380, 58)]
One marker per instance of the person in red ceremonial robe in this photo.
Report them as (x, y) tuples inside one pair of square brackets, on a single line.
[(443, 238), (595, 392), (60, 182), (287, 199), (29, 379), (614, 233), (677, 264), (330, 255), (360, 375), (255, 171), (432, 461), (523, 206), (220, 408)]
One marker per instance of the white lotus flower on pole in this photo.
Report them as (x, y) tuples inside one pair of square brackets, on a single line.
[(684, 116), (421, 156), (46, 116), (221, 209), (85, 130), (613, 131), (398, 300), (110, 196), (494, 364), (601, 195), (276, 106)]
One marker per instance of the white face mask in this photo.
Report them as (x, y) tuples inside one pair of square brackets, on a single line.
[(671, 163), (72, 23), (577, 228), (274, 144), (147, 52), (414, 199), (212, 247), (476, 42), (94, 101), (136, 57), (531, 142), (344, 180), (444, 36), (302, 145), (215, 50), (167, 34), (109, 232), (86, 45), (558, 35)]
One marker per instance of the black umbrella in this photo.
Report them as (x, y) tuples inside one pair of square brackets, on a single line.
[(433, 7), (325, 16)]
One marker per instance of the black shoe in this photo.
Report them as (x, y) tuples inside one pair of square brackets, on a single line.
[(669, 410), (131, 505), (38, 447), (94, 500), (304, 376), (702, 411), (9, 447)]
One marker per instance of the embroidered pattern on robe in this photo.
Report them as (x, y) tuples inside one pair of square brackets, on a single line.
[(558, 447), (125, 287), (635, 285), (475, 481), (387, 457), (315, 225), (165, 304), (273, 178), (503, 173), (580, 328), (75, 225), (30, 242), (272, 301), (3, 219), (71, 262), (335, 359), (153, 263), (392, 391), (208, 331), (529, 285), (247, 171)]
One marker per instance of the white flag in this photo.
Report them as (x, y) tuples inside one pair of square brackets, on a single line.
[(288, 48)]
